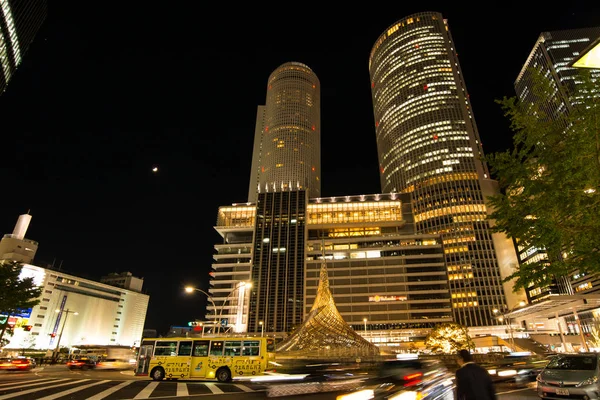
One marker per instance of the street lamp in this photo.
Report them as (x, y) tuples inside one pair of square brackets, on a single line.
[(365, 321), (262, 328), (238, 285), (506, 318), (67, 312), (191, 289)]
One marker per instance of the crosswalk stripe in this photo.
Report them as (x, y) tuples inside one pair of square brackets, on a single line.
[(147, 391), (213, 388), (11, 395), (243, 387), (77, 389), (105, 393), (30, 383), (182, 389)]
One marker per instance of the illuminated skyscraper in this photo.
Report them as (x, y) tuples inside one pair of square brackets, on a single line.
[(20, 20), (428, 146), (551, 55), (287, 141)]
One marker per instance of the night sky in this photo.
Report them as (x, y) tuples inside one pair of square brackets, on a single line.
[(104, 94)]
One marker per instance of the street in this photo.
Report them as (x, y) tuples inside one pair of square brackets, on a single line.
[(57, 382)]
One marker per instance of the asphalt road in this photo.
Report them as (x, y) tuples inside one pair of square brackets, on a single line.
[(57, 382)]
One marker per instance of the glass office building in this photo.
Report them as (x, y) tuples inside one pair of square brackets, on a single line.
[(429, 146), (287, 139), (20, 21)]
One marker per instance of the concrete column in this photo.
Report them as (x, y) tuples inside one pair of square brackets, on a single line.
[(562, 337), (581, 334)]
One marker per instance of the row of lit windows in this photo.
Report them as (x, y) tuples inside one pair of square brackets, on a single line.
[(459, 267), (463, 295), (477, 208), (465, 304), (457, 176), (462, 239), (401, 85), (355, 206), (583, 286), (460, 249), (455, 277), (411, 141)]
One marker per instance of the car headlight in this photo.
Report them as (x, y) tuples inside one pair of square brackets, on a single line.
[(492, 371), (540, 379), (588, 381), (507, 372), (359, 395), (408, 395)]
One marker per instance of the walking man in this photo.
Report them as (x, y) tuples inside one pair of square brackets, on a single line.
[(473, 382)]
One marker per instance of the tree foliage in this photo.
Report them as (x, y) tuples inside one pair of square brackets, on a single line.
[(15, 294), (448, 338), (550, 182)]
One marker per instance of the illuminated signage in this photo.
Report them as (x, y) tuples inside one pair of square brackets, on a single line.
[(378, 298)]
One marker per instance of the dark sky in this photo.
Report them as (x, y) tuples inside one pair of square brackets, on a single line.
[(104, 94)]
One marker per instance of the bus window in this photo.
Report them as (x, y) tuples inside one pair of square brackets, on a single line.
[(216, 348), (165, 348), (270, 345), (185, 348), (251, 348), (233, 347), (200, 348)]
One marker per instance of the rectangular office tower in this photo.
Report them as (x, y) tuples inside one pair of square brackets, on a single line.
[(389, 284), (20, 20), (429, 147), (550, 57)]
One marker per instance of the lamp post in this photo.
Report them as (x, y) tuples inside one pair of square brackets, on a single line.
[(507, 322), (262, 328), (365, 321), (238, 285), (191, 289), (67, 312)]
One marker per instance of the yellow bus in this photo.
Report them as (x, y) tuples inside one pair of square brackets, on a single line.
[(220, 358)]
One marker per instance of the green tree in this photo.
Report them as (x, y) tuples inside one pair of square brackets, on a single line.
[(15, 294), (550, 182), (448, 338)]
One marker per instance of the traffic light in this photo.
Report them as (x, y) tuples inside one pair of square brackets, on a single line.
[(53, 334), (27, 328)]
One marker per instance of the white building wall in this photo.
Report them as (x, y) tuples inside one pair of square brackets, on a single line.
[(106, 315)]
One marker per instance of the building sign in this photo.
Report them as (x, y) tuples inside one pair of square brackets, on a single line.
[(378, 298)]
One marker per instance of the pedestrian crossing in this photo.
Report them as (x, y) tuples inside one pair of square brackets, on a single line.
[(106, 389)]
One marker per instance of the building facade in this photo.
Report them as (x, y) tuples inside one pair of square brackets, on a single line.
[(551, 58), (429, 147), (72, 311), (20, 21), (287, 139), (77, 311), (379, 269)]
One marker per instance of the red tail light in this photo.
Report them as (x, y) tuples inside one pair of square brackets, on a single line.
[(412, 379)]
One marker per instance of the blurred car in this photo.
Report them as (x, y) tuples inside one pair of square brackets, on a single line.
[(575, 376), (82, 363), (520, 367), (114, 364), (406, 379), (16, 364)]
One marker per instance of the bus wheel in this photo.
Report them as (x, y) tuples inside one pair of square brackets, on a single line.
[(158, 374), (224, 374)]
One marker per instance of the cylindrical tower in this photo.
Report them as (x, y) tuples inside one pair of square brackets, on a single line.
[(290, 145), (428, 145)]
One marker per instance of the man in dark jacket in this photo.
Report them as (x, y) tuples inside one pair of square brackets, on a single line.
[(473, 382)]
